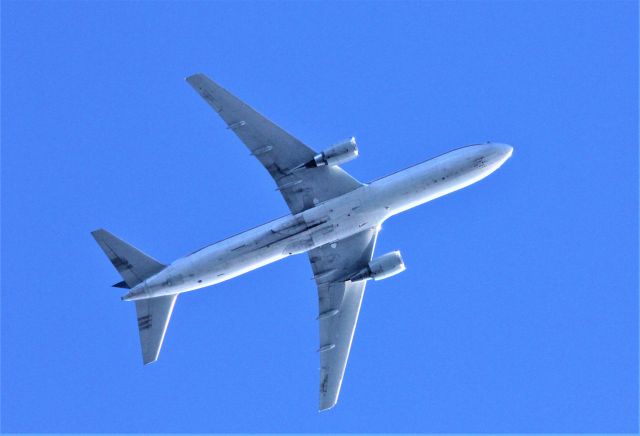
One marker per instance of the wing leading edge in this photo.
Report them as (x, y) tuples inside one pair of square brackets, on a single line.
[(278, 151), (339, 304)]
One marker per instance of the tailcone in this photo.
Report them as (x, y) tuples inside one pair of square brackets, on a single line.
[(135, 294)]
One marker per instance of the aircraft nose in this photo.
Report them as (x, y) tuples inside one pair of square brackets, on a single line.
[(503, 151)]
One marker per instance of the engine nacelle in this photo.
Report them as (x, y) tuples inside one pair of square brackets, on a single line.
[(381, 267), (341, 152)]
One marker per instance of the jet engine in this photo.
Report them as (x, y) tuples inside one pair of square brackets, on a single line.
[(381, 267), (341, 152)]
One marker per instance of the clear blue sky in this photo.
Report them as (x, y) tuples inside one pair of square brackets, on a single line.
[(518, 310)]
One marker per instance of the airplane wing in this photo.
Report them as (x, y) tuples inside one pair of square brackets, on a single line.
[(277, 150), (339, 305)]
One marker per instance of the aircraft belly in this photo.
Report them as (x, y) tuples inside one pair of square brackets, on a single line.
[(227, 265), (331, 221)]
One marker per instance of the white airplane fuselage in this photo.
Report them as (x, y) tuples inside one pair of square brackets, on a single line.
[(326, 223)]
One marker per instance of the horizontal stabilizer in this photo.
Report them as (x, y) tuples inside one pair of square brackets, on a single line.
[(133, 265), (121, 284), (153, 318)]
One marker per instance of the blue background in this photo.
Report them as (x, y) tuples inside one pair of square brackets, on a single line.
[(519, 308)]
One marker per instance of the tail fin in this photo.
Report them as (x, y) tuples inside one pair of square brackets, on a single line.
[(133, 265)]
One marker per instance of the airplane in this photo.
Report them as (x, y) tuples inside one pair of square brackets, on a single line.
[(334, 218)]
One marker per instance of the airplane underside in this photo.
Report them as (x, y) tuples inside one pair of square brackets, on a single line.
[(334, 218)]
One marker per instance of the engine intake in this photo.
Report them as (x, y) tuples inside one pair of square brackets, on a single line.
[(341, 152), (381, 267)]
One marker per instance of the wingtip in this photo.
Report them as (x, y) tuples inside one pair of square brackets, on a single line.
[(325, 407), (151, 357), (194, 77)]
